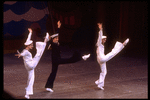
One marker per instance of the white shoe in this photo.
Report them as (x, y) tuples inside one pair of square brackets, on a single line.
[(100, 84), (46, 37), (86, 56), (126, 41), (27, 96), (97, 82), (100, 87), (49, 89)]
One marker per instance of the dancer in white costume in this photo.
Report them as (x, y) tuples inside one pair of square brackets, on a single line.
[(102, 58), (31, 63)]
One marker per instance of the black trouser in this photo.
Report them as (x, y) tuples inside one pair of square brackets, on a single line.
[(75, 58)]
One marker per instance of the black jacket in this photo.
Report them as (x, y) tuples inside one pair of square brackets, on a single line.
[(55, 48), (55, 51)]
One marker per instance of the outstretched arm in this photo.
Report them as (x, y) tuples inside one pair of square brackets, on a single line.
[(19, 55), (23, 53), (29, 35), (100, 34)]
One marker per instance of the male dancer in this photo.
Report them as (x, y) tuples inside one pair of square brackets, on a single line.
[(56, 59), (29, 62), (102, 58)]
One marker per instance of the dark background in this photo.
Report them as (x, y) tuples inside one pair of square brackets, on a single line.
[(121, 20)]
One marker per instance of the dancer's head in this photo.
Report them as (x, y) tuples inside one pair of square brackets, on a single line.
[(55, 38), (30, 46), (104, 38)]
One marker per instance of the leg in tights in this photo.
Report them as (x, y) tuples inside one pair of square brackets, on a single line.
[(52, 76), (102, 74), (75, 58), (117, 48)]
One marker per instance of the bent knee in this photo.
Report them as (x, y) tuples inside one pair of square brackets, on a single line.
[(101, 60)]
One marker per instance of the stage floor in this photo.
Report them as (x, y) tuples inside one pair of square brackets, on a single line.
[(127, 78)]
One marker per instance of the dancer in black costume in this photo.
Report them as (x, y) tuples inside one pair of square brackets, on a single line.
[(56, 58)]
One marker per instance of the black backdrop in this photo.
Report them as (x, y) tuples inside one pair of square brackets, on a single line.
[(120, 20)]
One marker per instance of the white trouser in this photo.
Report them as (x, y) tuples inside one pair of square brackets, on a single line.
[(30, 66), (102, 61), (30, 82), (102, 74)]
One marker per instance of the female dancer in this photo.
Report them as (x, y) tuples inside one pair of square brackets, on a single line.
[(102, 58), (29, 62)]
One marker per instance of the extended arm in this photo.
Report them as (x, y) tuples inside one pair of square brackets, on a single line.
[(20, 54), (29, 35), (58, 28), (100, 34)]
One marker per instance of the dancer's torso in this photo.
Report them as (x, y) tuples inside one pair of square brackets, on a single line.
[(27, 56), (100, 51), (55, 50)]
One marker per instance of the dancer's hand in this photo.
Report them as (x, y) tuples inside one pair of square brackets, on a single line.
[(30, 30), (59, 24), (18, 55), (100, 26)]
